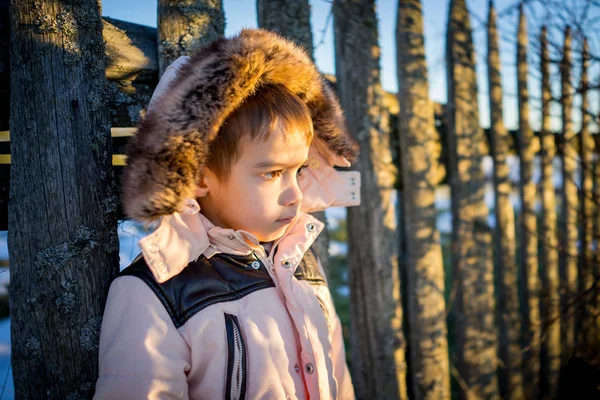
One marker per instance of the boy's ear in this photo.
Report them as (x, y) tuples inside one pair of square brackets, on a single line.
[(201, 188)]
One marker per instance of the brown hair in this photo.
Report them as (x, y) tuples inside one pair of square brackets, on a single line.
[(270, 108)]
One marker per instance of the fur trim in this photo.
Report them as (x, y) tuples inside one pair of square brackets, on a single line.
[(166, 156)]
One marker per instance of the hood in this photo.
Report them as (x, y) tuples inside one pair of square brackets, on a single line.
[(166, 156)]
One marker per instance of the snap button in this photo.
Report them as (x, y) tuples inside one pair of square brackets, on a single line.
[(162, 266), (309, 368), (353, 181), (297, 368), (153, 248), (255, 265), (213, 246), (353, 195), (286, 263), (231, 237), (313, 163), (310, 227)]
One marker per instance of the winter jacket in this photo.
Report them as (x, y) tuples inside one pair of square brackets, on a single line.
[(206, 312)]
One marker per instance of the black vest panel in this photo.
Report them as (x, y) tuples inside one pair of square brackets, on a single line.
[(223, 277)]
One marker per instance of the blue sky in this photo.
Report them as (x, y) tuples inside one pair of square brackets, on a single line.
[(242, 13)]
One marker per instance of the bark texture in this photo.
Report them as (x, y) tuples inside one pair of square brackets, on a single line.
[(378, 358), (508, 314), (289, 18), (63, 243), (184, 26), (476, 337), (568, 234), (588, 342), (426, 307), (530, 280), (550, 299)]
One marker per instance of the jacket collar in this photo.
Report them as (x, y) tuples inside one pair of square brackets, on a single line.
[(182, 237)]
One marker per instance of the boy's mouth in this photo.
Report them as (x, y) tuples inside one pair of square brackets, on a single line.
[(287, 219)]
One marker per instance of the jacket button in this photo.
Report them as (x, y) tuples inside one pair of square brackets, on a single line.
[(353, 181), (255, 265), (310, 227), (297, 368), (231, 237), (353, 196), (286, 263), (153, 248), (162, 266), (309, 368)]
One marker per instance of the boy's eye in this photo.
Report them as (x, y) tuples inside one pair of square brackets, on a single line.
[(299, 173), (273, 174)]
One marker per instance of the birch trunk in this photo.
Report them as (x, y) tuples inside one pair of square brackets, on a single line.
[(185, 26), (62, 232), (568, 221), (426, 308), (378, 358), (509, 319), (471, 236), (291, 19), (529, 246), (551, 343)]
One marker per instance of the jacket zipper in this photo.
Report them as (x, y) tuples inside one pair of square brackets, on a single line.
[(236, 361)]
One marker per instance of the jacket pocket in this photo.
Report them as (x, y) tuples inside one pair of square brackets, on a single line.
[(236, 360)]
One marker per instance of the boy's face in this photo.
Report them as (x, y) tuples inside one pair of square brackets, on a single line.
[(262, 195)]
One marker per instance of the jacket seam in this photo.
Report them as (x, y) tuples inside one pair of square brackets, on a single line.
[(222, 298)]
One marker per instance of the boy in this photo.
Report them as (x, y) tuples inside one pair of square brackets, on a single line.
[(226, 299)]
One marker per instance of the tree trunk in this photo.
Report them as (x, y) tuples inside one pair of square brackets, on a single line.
[(63, 243), (509, 318), (529, 246), (588, 342), (185, 26), (426, 307), (568, 221), (378, 358), (291, 19), (471, 236), (549, 243)]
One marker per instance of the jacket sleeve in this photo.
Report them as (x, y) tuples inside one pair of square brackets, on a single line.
[(141, 355)]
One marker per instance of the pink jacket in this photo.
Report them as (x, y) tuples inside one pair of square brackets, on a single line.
[(280, 342)]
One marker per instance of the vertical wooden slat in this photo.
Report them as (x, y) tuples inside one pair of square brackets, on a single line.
[(551, 343), (528, 241), (62, 230), (378, 359), (426, 308), (476, 336), (509, 318)]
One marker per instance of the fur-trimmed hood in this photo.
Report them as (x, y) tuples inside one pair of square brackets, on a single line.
[(166, 156)]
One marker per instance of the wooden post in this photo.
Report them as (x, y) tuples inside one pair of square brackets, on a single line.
[(588, 342), (551, 343), (476, 337), (185, 26), (62, 232), (528, 243), (378, 359), (568, 222), (509, 317), (426, 306)]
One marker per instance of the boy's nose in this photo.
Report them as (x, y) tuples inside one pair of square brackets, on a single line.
[(292, 196)]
